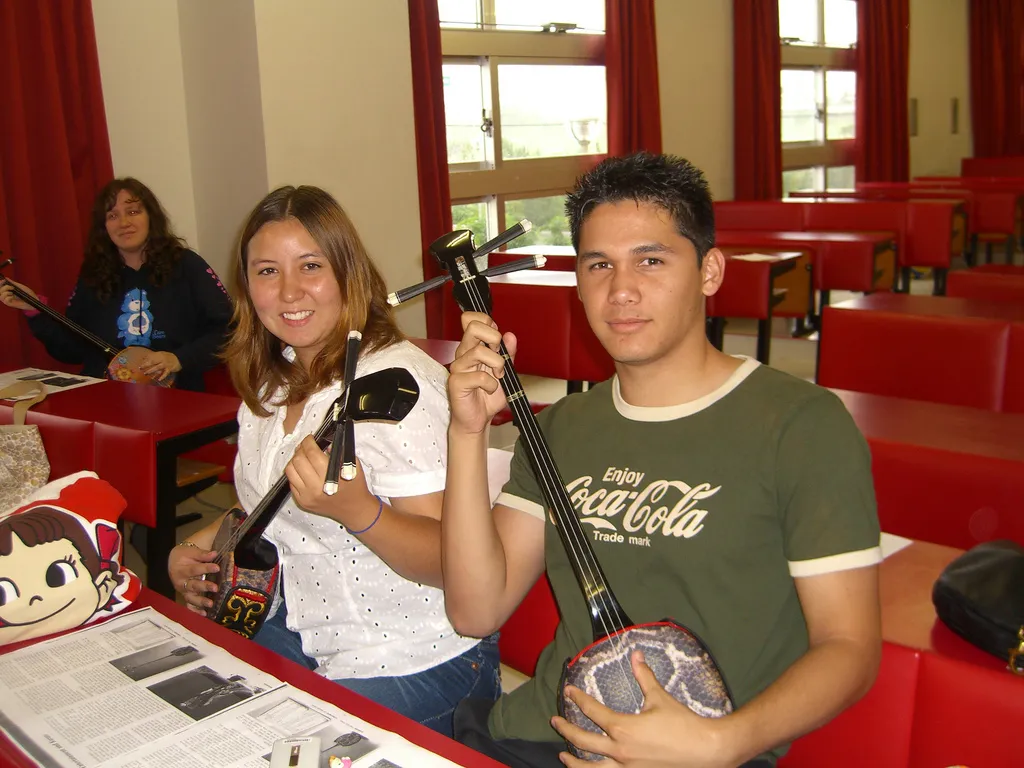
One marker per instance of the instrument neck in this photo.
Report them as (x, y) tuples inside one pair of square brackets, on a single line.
[(606, 615), (72, 326), (256, 522)]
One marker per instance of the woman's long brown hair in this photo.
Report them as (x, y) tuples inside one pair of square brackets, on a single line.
[(253, 354), (101, 268)]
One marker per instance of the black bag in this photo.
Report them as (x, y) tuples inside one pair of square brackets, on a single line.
[(980, 596)]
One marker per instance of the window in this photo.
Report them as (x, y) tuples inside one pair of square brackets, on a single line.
[(829, 23), (525, 110), (574, 16), (817, 179), (819, 93), (547, 214)]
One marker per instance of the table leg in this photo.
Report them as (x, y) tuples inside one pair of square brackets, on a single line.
[(161, 539), (903, 284), (764, 339), (715, 328)]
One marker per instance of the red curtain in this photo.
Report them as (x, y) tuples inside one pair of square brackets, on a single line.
[(54, 154), (631, 71), (757, 95), (997, 77), (883, 71), (431, 144)]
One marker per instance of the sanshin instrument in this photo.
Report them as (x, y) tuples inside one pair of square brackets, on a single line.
[(249, 566), (125, 364), (679, 660)]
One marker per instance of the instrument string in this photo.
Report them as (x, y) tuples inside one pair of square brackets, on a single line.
[(266, 502), (579, 550), (71, 325), (66, 322)]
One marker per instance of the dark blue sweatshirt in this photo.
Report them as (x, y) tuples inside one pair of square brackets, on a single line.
[(187, 315)]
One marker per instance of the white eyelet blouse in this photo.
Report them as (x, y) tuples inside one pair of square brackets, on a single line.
[(356, 617)]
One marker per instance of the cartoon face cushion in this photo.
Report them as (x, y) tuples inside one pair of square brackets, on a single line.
[(60, 559)]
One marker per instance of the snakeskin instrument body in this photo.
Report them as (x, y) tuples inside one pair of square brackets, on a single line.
[(678, 659), (244, 593)]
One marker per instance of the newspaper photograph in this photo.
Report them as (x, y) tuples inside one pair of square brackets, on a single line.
[(101, 692), (142, 691), (52, 381)]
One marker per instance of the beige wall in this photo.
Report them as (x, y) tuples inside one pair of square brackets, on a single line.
[(694, 40), (336, 87), (212, 104), (225, 120), (939, 71), (144, 98)]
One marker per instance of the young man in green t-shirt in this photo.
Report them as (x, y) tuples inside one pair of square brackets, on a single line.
[(723, 494)]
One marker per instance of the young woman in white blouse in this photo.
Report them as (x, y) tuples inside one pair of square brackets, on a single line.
[(361, 598)]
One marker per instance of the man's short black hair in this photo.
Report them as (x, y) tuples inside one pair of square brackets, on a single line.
[(669, 182)]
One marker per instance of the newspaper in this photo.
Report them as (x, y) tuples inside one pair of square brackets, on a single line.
[(142, 691), (53, 381)]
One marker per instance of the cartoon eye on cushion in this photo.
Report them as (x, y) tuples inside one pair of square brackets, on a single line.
[(59, 570)]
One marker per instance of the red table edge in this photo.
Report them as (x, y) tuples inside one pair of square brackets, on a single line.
[(287, 672)]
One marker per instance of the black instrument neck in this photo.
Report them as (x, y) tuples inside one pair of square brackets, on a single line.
[(72, 326), (606, 615), (256, 522)]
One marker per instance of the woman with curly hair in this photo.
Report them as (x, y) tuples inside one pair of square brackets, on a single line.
[(140, 285)]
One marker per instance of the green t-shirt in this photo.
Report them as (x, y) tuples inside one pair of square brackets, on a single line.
[(703, 513)]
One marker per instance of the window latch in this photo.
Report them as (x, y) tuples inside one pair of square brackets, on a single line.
[(487, 125)]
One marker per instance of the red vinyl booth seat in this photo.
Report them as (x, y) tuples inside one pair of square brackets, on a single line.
[(955, 499), (1013, 392), (924, 711), (1009, 166), (773, 215), (927, 233), (998, 269), (955, 360), (69, 443), (221, 452), (529, 629), (969, 284)]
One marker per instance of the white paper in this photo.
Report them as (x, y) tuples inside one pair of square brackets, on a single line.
[(53, 381), (754, 257), (142, 691), (891, 544)]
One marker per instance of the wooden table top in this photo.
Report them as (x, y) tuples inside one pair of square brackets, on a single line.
[(935, 306), (954, 428), (908, 615)]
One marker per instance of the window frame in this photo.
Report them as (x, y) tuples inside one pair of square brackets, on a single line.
[(820, 59), (500, 180)]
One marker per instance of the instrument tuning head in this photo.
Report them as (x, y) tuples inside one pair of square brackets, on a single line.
[(455, 252)]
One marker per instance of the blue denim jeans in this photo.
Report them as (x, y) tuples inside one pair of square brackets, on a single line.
[(429, 697)]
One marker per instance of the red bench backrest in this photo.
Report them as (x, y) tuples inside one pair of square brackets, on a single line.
[(773, 215), (968, 284), (529, 629), (992, 166), (966, 715), (876, 731), (1013, 392), (955, 360)]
